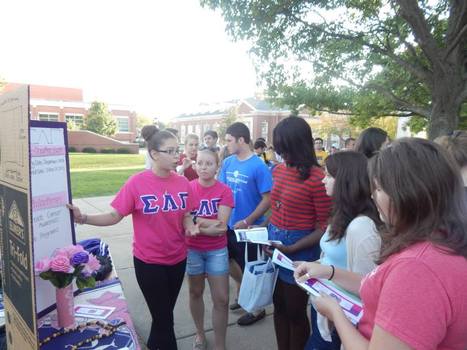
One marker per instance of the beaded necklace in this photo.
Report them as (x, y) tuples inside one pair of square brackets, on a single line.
[(108, 328)]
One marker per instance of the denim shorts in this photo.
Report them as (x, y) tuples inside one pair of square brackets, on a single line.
[(289, 237), (212, 262)]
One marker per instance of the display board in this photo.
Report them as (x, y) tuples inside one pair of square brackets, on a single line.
[(50, 189), (15, 221)]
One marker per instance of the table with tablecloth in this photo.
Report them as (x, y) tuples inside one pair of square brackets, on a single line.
[(108, 293)]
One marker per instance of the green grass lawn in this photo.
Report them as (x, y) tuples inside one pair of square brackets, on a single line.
[(96, 161), (89, 179)]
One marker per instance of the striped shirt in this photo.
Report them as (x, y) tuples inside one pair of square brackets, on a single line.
[(297, 204)]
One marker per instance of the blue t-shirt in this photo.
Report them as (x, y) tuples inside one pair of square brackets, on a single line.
[(248, 179), (334, 252)]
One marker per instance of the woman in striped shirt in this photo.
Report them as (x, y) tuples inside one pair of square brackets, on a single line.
[(300, 212)]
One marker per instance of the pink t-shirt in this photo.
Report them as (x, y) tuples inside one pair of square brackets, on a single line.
[(418, 295), (157, 206), (208, 200)]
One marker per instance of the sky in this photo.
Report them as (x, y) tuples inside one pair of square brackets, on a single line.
[(160, 57)]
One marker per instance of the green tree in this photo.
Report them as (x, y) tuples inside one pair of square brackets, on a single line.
[(369, 58), (228, 120), (99, 120), (324, 125), (142, 120)]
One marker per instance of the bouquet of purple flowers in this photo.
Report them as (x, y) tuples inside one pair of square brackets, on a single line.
[(66, 264)]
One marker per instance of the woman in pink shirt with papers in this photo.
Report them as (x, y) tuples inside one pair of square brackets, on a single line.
[(416, 298), (160, 203), (207, 252)]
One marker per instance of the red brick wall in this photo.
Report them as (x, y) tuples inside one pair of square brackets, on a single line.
[(50, 92), (83, 138)]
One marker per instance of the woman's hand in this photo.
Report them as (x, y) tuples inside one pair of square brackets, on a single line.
[(307, 270), (78, 217), (187, 162), (268, 251), (327, 306), (284, 249), (192, 230)]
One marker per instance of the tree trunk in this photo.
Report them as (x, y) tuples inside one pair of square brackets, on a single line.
[(447, 88)]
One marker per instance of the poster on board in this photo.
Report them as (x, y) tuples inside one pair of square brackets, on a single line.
[(15, 221), (50, 190)]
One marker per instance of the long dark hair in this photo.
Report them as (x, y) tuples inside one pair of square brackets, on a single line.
[(426, 194), (370, 141), (155, 137), (351, 193), (293, 141)]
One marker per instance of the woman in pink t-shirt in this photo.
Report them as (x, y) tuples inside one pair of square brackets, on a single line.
[(207, 252), (160, 203), (417, 297)]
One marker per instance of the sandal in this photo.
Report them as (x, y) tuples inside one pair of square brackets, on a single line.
[(198, 344)]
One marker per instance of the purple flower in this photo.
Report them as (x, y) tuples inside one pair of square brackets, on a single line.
[(79, 258)]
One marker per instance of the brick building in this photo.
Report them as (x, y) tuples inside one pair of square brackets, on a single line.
[(260, 117), (50, 103)]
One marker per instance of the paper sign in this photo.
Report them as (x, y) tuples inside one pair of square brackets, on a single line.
[(50, 190), (93, 311), (258, 235)]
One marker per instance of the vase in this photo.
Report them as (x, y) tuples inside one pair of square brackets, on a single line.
[(65, 306)]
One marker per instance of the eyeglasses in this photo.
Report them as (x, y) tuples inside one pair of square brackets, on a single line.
[(170, 151)]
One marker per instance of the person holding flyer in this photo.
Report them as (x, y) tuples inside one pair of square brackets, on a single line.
[(416, 298), (160, 203), (250, 181), (207, 252), (300, 211), (351, 240)]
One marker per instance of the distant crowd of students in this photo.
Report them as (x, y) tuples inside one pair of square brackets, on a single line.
[(385, 220)]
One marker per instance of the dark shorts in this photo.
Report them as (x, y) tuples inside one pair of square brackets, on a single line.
[(237, 249)]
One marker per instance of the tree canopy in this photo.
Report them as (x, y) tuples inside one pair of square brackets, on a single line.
[(100, 120), (366, 58)]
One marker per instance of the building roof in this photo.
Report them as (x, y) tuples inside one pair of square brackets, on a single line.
[(263, 105), (223, 108)]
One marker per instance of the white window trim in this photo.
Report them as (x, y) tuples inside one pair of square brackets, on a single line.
[(117, 117)]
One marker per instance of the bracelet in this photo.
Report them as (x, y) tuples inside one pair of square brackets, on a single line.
[(332, 273), (245, 222)]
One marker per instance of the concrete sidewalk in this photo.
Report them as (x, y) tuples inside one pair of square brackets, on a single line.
[(119, 237)]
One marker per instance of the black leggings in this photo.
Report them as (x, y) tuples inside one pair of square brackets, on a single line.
[(160, 285), (290, 318)]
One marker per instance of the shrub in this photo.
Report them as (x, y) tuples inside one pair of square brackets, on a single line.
[(123, 151), (89, 150), (107, 150), (72, 149)]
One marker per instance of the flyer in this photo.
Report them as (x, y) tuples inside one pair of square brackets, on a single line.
[(351, 306), (258, 235), (280, 259)]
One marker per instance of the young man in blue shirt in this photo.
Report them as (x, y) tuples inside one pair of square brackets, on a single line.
[(251, 183)]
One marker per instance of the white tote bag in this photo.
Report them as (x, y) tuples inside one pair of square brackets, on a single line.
[(258, 283)]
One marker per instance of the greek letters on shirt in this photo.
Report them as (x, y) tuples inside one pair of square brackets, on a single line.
[(208, 207), (152, 204)]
